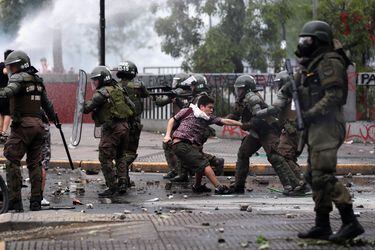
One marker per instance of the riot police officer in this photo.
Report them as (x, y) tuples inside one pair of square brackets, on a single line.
[(322, 89), (179, 103), (27, 94), (286, 153), (110, 109), (136, 91), (263, 132)]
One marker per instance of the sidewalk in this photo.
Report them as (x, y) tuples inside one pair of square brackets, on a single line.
[(356, 157)]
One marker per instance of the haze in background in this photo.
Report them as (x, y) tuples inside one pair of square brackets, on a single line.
[(129, 34)]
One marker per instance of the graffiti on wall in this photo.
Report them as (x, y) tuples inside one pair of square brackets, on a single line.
[(364, 132)]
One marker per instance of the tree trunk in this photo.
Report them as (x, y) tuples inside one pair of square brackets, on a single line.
[(238, 66)]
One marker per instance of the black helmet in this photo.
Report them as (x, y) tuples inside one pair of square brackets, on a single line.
[(281, 78), (178, 79), (247, 82), (18, 58), (127, 70), (194, 80), (103, 74), (319, 29)]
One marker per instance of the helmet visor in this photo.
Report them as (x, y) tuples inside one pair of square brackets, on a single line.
[(305, 40), (188, 82)]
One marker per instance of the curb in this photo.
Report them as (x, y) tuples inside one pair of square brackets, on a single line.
[(229, 168)]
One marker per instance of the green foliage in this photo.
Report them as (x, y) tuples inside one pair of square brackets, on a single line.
[(248, 32), (353, 23), (215, 54), (12, 12), (180, 30)]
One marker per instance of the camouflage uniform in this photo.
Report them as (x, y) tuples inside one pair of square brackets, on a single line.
[(322, 90), (263, 132), (136, 92), (27, 96), (115, 132), (286, 152)]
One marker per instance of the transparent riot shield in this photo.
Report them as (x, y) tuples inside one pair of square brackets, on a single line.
[(78, 113), (97, 132)]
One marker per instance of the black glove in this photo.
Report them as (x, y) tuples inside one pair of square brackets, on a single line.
[(246, 126), (307, 118)]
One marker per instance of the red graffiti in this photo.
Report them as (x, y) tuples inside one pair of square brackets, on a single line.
[(233, 131), (366, 133)]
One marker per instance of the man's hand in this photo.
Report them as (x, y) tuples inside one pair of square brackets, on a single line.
[(167, 139)]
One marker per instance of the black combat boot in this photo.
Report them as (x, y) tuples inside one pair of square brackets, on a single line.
[(170, 175), (16, 205), (110, 192), (322, 229), (35, 203), (350, 227), (181, 178), (236, 189), (122, 185)]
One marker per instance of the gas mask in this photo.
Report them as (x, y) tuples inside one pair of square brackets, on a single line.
[(306, 46)]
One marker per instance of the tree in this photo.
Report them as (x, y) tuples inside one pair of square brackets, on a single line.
[(353, 23), (13, 11), (245, 32), (181, 30)]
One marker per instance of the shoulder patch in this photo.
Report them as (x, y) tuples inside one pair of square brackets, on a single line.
[(251, 98), (331, 72)]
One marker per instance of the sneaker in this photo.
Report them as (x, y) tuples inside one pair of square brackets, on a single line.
[(223, 190), (44, 202), (201, 189)]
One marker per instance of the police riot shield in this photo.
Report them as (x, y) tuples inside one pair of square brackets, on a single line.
[(97, 132), (78, 113)]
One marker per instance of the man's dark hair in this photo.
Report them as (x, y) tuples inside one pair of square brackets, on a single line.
[(7, 52), (205, 100)]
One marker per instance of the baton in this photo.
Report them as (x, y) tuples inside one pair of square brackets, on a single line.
[(58, 125)]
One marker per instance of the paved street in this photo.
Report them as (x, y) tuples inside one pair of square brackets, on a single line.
[(151, 217)]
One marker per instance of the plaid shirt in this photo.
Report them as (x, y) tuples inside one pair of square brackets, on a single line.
[(191, 128)]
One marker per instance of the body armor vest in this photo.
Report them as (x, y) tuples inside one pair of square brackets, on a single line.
[(28, 101)]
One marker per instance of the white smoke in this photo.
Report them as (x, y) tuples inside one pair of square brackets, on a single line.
[(79, 25)]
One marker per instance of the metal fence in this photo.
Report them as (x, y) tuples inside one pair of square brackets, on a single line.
[(222, 91)]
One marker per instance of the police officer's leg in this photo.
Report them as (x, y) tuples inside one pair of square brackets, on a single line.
[(14, 150), (339, 194), (35, 136), (121, 139), (171, 159), (321, 177), (287, 148), (249, 146), (132, 146), (107, 153)]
